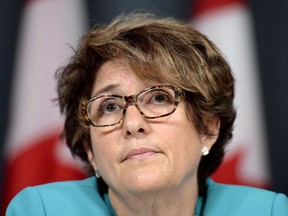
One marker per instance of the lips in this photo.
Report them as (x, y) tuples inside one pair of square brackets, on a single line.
[(140, 153)]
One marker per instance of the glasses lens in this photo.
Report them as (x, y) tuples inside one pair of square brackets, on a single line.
[(105, 110), (157, 102)]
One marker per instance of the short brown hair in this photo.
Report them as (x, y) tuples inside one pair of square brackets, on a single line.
[(165, 50)]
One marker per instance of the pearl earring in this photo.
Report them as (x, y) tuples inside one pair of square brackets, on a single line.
[(205, 151), (97, 173)]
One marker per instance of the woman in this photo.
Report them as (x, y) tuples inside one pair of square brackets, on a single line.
[(149, 107)]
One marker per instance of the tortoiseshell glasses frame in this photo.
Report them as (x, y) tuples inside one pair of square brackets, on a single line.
[(153, 102)]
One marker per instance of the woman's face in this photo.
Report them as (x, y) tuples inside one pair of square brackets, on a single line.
[(144, 155)]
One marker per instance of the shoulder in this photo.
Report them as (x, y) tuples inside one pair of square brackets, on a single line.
[(60, 198), (243, 200)]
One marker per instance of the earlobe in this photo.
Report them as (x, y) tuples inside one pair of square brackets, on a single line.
[(212, 125), (92, 161), (90, 156)]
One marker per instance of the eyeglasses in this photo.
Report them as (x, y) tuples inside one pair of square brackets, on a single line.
[(153, 102)]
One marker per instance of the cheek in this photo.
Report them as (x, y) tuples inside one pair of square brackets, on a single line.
[(103, 148), (187, 145), (184, 143)]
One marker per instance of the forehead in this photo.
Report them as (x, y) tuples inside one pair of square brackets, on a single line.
[(120, 77), (112, 70)]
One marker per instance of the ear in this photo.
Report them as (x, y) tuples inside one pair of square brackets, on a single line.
[(90, 156), (212, 125)]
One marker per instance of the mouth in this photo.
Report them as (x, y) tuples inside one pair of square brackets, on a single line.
[(140, 154)]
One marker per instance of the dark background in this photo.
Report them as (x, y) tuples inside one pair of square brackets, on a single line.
[(271, 25)]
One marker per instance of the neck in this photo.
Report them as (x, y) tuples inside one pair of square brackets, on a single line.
[(169, 202)]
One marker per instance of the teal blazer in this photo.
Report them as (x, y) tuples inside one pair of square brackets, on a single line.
[(81, 198)]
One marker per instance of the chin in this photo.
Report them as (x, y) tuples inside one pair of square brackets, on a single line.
[(147, 182)]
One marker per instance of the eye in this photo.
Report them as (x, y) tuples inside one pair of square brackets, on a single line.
[(160, 97), (110, 106)]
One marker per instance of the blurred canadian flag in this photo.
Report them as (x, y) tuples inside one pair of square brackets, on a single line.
[(34, 152), (229, 24)]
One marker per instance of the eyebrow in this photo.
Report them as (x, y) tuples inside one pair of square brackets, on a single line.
[(105, 89)]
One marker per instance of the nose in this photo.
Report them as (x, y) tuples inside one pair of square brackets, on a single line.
[(134, 124)]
